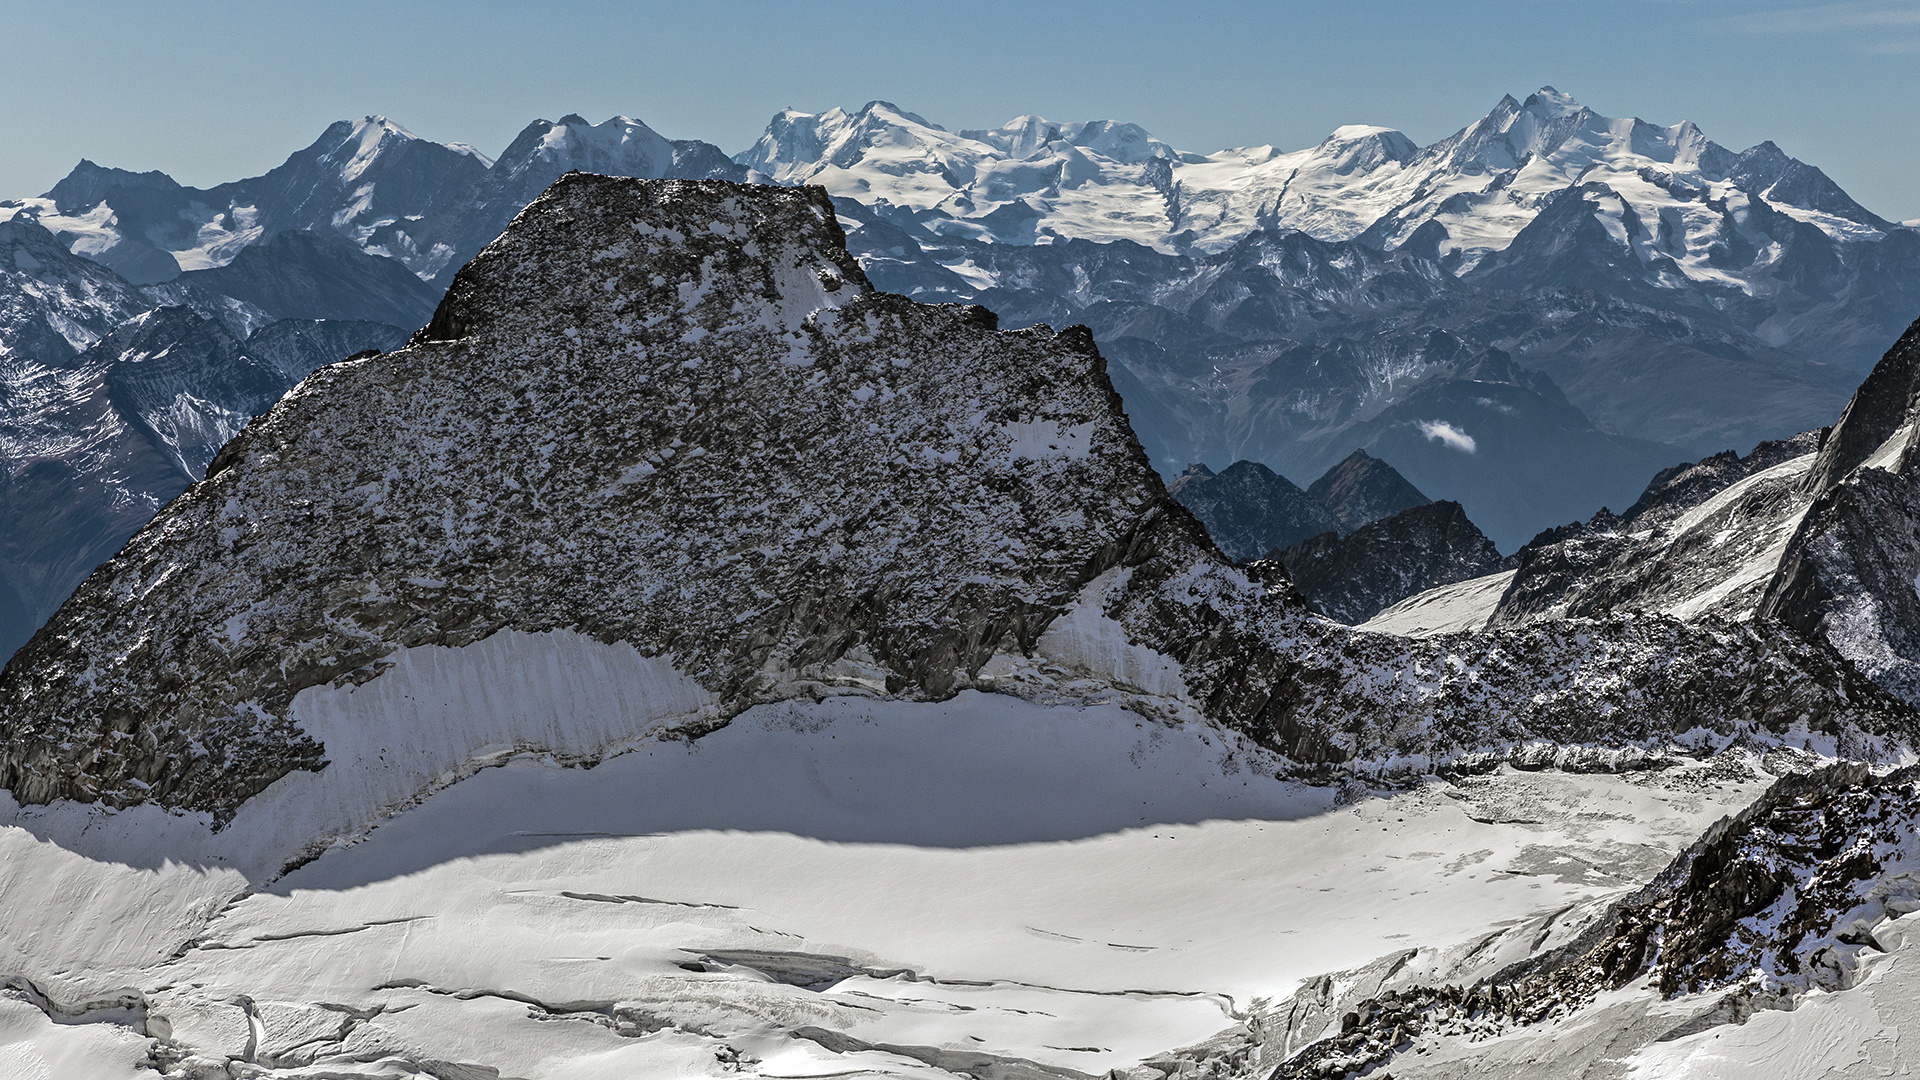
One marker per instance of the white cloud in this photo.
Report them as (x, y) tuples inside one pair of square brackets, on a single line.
[(1441, 431)]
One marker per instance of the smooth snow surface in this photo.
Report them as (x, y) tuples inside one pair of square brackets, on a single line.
[(1463, 605), (1072, 885), (1851, 1033)]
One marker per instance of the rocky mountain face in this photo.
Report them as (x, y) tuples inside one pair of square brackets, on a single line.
[(1353, 578), (52, 303), (1249, 509), (1363, 489), (1847, 574), (93, 441), (675, 415), (1703, 539), (1811, 530)]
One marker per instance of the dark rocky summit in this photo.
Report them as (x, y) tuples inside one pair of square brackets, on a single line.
[(675, 414), (1363, 489), (1354, 578), (1249, 509)]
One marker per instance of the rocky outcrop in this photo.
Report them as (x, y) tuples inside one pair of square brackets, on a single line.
[(1249, 509), (571, 443), (1818, 531), (675, 415), (1848, 574), (1363, 489), (1355, 578)]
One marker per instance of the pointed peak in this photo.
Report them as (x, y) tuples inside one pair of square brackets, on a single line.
[(888, 110), (1198, 469), (572, 120), (1552, 102), (375, 122), (1245, 467)]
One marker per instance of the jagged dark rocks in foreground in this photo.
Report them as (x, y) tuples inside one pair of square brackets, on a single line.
[(1363, 489), (1776, 901), (1249, 509), (674, 414), (1351, 579)]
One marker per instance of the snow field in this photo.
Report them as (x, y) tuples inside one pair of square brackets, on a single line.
[(1072, 885), (1464, 605)]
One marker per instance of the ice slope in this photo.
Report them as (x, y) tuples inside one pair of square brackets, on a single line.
[(1074, 886)]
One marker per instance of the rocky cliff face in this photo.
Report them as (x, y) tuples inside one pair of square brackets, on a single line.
[(1848, 574), (1817, 531), (1704, 539), (1351, 579), (674, 414)]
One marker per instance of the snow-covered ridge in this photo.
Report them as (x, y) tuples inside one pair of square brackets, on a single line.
[(1472, 193)]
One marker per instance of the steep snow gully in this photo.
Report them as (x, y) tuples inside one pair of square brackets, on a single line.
[(786, 678)]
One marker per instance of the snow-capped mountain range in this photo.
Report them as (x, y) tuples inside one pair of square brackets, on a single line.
[(1668, 193), (930, 735), (1529, 317)]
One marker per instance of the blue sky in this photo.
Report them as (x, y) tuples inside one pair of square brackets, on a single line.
[(214, 91)]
